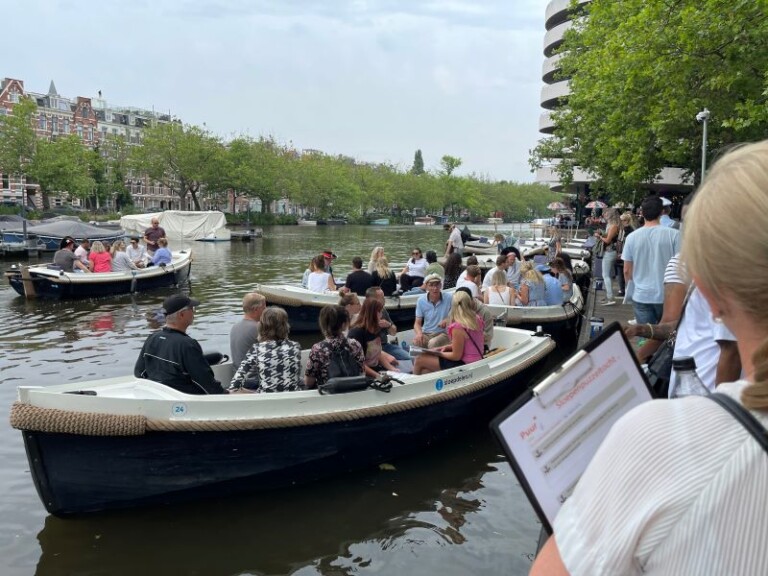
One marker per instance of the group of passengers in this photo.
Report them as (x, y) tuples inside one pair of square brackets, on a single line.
[(98, 256)]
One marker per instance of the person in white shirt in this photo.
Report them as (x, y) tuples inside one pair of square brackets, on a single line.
[(681, 486), (471, 280), (454, 244), (318, 279), (82, 251), (137, 252), (414, 271)]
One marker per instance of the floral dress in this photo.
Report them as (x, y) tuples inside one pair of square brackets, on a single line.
[(273, 366)]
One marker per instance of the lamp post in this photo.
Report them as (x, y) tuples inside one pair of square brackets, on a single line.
[(702, 117)]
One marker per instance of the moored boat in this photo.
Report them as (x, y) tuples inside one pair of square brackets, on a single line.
[(550, 318), (380, 222), (49, 281), (124, 442), (189, 225), (424, 221), (50, 234), (303, 306), (303, 222)]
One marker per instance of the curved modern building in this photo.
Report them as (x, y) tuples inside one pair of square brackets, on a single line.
[(554, 93)]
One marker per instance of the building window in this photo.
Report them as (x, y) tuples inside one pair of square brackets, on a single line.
[(42, 122), (14, 96), (6, 182), (66, 126), (90, 132), (80, 130), (55, 124), (85, 113)]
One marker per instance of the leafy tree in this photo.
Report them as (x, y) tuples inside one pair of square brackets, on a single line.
[(418, 164), (448, 164), (63, 165), (179, 156), (641, 70), (17, 137)]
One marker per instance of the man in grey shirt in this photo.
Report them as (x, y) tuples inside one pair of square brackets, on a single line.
[(245, 333)]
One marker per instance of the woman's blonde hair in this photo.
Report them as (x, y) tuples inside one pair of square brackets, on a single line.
[(274, 324), (612, 216), (735, 188), (498, 278), (382, 267), (463, 311), (118, 246), (376, 253), (528, 272), (98, 247)]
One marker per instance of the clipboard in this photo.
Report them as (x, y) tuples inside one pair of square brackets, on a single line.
[(552, 431)]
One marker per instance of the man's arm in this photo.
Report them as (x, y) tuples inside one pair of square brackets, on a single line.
[(200, 371), (627, 271), (139, 367), (729, 364)]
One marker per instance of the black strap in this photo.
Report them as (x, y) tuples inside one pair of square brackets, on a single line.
[(744, 417)]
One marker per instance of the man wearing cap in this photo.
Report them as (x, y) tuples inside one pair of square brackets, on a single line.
[(136, 252), (172, 357), (245, 333), (65, 257), (553, 291), (432, 311), (666, 210), (329, 258), (152, 235)]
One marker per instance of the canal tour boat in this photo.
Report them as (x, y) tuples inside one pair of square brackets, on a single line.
[(50, 281), (124, 442), (303, 306)]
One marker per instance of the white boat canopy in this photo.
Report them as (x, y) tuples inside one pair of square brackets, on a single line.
[(179, 224)]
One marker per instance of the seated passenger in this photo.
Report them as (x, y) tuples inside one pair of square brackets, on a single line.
[(467, 339), (499, 293), (367, 331), (162, 255), (553, 293), (564, 277), (351, 302), (318, 280), (99, 260), (384, 277), (65, 257), (471, 281), (274, 363), (121, 262), (414, 271), (532, 288), (433, 266), (333, 321), (453, 270)]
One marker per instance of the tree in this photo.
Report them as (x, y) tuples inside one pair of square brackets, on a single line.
[(179, 156), (448, 164), (63, 165), (641, 70), (17, 137), (418, 164)]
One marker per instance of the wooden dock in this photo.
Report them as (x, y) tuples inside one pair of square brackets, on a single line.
[(617, 313)]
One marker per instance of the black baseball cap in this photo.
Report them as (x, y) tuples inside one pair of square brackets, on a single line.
[(174, 303)]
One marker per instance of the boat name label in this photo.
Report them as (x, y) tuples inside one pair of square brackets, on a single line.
[(178, 410), (452, 380)]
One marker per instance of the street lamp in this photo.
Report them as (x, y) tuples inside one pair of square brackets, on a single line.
[(702, 118)]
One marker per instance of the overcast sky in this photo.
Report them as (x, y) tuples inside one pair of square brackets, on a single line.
[(372, 79)]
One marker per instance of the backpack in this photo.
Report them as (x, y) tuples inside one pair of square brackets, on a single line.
[(342, 363)]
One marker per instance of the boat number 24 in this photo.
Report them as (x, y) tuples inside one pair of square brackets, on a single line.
[(178, 410)]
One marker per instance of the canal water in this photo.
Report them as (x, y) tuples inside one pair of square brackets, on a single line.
[(453, 510)]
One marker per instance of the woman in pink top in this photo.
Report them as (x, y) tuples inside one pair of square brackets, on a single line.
[(466, 333), (99, 259)]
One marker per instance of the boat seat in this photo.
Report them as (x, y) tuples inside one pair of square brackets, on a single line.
[(494, 351)]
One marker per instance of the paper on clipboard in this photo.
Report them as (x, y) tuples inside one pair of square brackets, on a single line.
[(551, 438)]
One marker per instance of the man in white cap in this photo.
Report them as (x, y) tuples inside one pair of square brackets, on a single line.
[(666, 210), (172, 357)]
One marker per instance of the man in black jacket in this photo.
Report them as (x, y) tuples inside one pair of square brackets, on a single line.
[(173, 358)]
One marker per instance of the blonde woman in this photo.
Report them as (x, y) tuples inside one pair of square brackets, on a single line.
[(99, 260), (384, 277), (609, 240), (499, 293), (465, 329), (700, 508), (121, 262), (532, 288), (376, 253)]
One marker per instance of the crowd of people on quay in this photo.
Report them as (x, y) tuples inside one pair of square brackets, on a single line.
[(98, 256)]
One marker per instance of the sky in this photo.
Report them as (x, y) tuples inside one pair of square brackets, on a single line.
[(371, 79)]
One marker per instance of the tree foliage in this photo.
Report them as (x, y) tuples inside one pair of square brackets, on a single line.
[(63, 165), (18, 141), (641, 70), (418, 164)]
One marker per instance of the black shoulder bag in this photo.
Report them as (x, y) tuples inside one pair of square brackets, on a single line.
[(744, 417), (660, 363)]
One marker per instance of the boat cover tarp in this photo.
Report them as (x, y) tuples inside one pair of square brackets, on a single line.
[(179, 224), (77, 229)]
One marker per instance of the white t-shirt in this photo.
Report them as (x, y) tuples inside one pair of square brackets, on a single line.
[(418, 268), (467, 284), (650, 249), (455, 239), (677, 487), (487, 279), (318, 281), (82, 254)]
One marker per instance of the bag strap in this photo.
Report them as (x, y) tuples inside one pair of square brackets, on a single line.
[(744, 417)]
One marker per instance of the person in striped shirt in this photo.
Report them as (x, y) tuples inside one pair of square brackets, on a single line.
[(680, 486)]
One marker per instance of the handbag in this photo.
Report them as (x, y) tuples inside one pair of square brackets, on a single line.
[(660, 363)]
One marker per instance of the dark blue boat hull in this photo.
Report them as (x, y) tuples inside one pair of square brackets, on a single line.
[(63, 290), (78, 474)]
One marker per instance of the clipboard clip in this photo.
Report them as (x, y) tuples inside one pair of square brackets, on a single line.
[(545, 393)]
